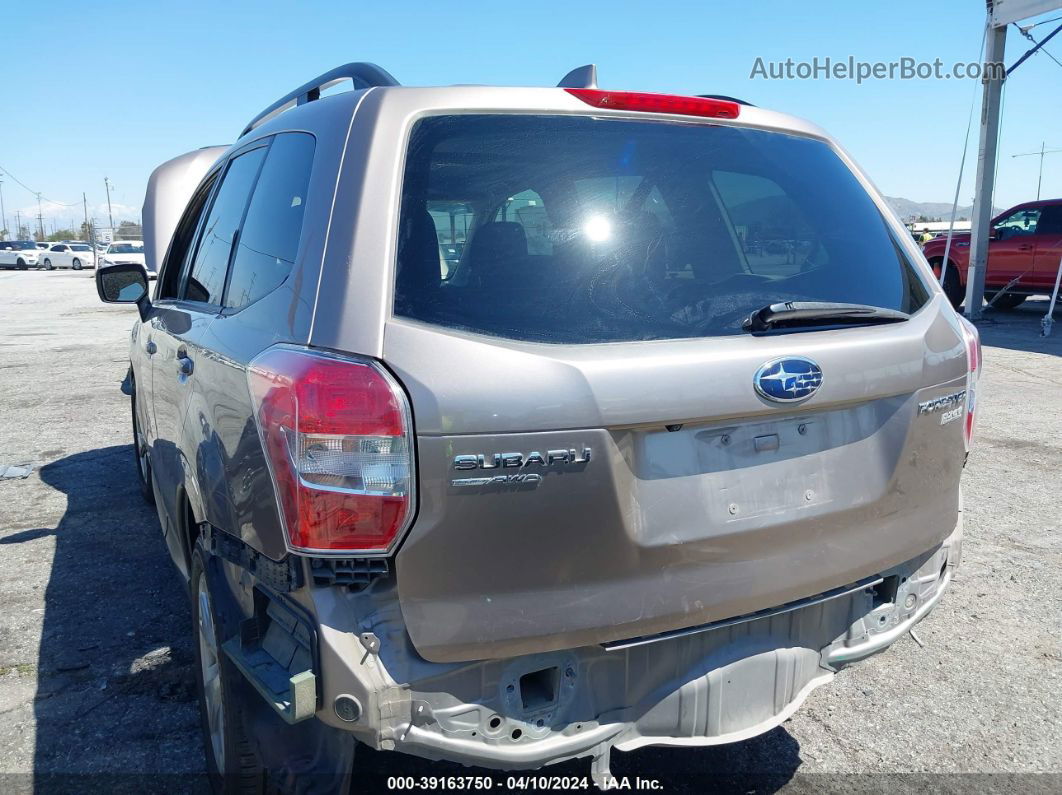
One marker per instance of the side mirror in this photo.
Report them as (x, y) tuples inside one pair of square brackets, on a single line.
[(124, 284), (993, 234)]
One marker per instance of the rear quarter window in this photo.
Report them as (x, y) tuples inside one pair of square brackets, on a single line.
[(573, 229)]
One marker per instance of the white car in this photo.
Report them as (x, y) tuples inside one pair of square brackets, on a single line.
[(126, 252), (68, 255), (21, 254)]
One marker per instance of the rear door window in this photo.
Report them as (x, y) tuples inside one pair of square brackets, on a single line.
[(580, 230), (206, 279), (269, 236)]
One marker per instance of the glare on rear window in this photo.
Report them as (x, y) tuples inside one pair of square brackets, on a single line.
[(578, 229)]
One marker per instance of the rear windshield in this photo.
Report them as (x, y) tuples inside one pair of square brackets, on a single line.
[(573, 229), (125, 248)]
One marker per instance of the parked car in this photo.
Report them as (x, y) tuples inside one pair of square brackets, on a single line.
[(1025, 245), (646, 465), (127, 252), (68, 255), (20, 254)]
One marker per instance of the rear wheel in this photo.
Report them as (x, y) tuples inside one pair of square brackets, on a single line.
[(76, 264), (231, 762), (1006, 301), (952, 284)]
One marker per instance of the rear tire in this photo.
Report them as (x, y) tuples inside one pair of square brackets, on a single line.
[(143, 464), (232, 764), (953, 287), (1006, 301)]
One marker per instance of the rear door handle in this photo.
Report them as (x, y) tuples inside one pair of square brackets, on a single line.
[(150, 348), (1025, 247)]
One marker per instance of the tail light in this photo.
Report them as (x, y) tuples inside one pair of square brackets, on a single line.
[(973, 371), (337, 437), (657, 103)]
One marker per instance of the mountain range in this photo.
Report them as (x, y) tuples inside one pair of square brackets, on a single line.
[(935, 211)]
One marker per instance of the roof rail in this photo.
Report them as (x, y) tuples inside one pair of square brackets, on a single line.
[(580, 77), (363, 75)]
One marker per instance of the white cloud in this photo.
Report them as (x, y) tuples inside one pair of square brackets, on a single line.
[(64, 216)]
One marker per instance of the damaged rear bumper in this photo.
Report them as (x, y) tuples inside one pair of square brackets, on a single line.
[(707, 686)]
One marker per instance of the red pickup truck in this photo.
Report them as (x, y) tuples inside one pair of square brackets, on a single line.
[(1026, 244)]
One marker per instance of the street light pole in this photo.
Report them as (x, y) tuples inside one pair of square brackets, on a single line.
[(1041, 153)]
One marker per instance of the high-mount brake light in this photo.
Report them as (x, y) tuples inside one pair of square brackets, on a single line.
[(337, 437), (657, 103), (972, 339)]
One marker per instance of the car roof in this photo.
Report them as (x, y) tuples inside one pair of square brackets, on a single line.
[(305, 110)]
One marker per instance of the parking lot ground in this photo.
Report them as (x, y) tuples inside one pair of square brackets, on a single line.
[(96, 678)]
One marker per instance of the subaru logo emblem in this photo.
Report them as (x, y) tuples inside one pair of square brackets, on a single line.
[(788, 380)]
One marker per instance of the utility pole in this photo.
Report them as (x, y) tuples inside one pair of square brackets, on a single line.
[(18, 225), (40, 217), (107, 185), (88, 229), (1041, 153), (986, 170), (3, 213)]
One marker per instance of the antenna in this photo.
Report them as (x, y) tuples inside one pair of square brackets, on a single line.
[(580, 77)]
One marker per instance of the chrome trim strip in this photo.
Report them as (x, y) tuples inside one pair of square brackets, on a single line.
[(826, 596)]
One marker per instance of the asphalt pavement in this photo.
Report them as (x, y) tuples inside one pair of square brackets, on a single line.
[(96, 678)]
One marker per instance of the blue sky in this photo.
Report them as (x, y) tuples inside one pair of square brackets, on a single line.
[(116, 90)]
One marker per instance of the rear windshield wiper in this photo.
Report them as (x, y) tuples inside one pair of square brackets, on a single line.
[(819, 313)]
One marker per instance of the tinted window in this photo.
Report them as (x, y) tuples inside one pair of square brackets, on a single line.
[(1018, 224), (1050, 222), (125, 248), (772, 232), (594, 230), (206, 280), (452, 222), (270, 235)]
